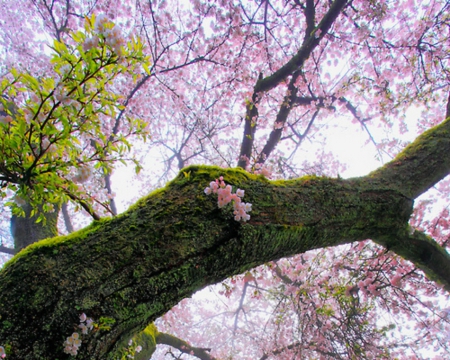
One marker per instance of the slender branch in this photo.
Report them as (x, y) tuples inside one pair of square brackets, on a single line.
[(281, 119), (280, 350), (84, 205), (183, 346), (112, 203), (240, 308)]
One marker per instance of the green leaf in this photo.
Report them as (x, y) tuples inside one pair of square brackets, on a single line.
[(146, 68)]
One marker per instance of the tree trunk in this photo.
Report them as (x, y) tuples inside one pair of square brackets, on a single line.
[(26, 231), (131, 269)]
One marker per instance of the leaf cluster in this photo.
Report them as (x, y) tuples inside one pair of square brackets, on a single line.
[(56, 131)]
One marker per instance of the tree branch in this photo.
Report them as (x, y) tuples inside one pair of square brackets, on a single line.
[(183, 346), (309, 44), (135, 267), (295, 63), (422, 163), (281, 119), (7, 250), (138, 265), (424, 252)]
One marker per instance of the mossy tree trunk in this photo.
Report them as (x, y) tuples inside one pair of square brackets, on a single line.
[(135, 267)]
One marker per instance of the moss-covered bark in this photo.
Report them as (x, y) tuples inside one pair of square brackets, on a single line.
[(133, 268)]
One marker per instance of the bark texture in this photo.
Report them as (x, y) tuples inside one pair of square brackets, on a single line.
[(26, 231), (129, 270)]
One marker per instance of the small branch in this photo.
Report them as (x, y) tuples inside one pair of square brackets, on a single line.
[(7, 250), (240, 307), (183, 346), (281, 119), (84, 205), (280, 350), (112, 203), (283, 277)]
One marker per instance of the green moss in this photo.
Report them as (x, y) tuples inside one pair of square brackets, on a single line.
[(421, 164), (146, 339), (175, 241), (50, 243)]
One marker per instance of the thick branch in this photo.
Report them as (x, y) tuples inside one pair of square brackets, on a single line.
[(422, 164), (25, 230), (423, 251), (281, 119), (66, 218), (137, 266), (250, 120)]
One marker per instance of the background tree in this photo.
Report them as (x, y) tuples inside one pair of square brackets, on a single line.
[(283, 73)]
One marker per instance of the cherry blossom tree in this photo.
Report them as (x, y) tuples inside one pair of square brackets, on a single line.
[(255, 85)]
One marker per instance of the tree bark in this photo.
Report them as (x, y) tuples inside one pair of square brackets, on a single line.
[(133, 268), (183, 346), (26, 231)]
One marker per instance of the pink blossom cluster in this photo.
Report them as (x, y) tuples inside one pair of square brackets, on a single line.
[(83, 174), (85, 324), (261, 169), (73, 342), (48, 147), (90, 43), (111, 32), (258, 168), (59, 93), (19, 200), (369, 286), (225, 196), (2, 352)]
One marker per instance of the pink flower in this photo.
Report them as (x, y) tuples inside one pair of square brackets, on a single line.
[(395, 281), (6, 119), (225, 196)]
